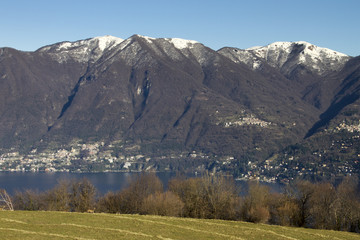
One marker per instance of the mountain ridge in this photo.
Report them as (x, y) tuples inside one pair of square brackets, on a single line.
[(169, 98)]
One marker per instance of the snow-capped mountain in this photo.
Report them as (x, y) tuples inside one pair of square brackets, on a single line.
[(94, 48), (167, 97), (287, 56), (83, 50)]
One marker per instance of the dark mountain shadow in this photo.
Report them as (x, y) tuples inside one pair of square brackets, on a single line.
[(332, 112)]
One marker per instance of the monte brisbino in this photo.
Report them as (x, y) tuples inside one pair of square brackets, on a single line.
[(277, 112)]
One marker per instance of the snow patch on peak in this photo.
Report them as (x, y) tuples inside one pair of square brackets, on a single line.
[(83, 50), (280, 44), (253, 48), (315, 50), (302, 42), (177, 42), (107, 41), (316, 58), (181, 43), (309, 48), (287, 56), (148, 39), (98, 42)]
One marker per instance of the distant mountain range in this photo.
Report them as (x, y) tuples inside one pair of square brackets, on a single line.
[(281, 111)]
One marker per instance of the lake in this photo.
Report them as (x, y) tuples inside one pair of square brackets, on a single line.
[(104, 182), (42, 181)]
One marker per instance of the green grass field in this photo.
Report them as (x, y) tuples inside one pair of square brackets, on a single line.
[(62, 225)]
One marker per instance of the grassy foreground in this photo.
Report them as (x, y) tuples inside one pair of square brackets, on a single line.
[(62, 225)]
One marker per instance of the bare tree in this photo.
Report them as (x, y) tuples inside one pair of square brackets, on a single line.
[(5, 198), (109, 203), (140, 187), (190, 193), (163, 204), (348, 207), (220, 195), (301, 192), (211, 196), (82, 196), (256, 204), (323, 205), (58, 198), (284, 210), (29, 200)]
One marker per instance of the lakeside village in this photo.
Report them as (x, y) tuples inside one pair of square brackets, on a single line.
[(97, 158)]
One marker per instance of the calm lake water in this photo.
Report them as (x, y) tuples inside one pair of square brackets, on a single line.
[(104, 182)]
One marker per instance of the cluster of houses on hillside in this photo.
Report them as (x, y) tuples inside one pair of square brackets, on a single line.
[(95, 157)]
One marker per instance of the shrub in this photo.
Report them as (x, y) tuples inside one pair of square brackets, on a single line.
[(210, 196), (164, 204), (141, 187), (255, 206)]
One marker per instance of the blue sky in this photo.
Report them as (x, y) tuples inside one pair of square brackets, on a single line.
[(27, 25)]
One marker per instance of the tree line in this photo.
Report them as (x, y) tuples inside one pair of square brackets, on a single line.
[(301, 204)]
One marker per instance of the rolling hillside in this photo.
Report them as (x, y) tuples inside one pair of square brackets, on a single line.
[(62, 225)]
